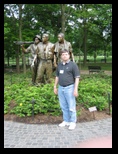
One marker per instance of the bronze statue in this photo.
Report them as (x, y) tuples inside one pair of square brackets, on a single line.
[(46, 58), (32, 49), (62, 44)]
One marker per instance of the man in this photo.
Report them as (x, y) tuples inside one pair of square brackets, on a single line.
[(67, 76), (32, 49), (46, 57), (62, 44)]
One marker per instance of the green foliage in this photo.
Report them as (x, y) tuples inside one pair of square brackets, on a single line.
[(18, 95), (82, 21), (94, 89)]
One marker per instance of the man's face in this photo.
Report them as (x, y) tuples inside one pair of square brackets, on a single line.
[(36, 40), (60, 38), (44, 39), (65, 56)]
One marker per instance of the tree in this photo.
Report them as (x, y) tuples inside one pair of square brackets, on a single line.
[(83, 24)]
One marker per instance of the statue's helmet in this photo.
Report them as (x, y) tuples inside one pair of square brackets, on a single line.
[(37, 36), (45, 35)]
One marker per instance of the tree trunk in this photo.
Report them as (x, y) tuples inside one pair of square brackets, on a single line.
[(17, 60), (85, 48), (63, 18), (20, 36)]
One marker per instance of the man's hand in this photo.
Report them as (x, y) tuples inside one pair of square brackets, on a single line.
[(55, 90), (23, 49), (22, 45)]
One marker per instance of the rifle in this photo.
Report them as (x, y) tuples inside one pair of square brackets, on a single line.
[(22, 42)]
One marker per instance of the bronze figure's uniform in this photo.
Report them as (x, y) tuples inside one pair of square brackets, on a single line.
[(32, 50), (46, 57), (61, 45)]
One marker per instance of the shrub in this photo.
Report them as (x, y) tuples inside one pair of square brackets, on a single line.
[(18, 95)]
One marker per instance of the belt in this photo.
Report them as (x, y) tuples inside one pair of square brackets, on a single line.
[(67, 85), (46, 59)]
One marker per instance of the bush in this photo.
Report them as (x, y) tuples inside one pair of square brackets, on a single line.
[(19, 95)]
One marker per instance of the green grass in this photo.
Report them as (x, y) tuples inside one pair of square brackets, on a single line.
[(104, 66), (91, 59)]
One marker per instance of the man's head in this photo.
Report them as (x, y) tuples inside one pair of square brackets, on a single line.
[(64, 51), (37, 37), (60, 37), (65, 55), (45, 37)]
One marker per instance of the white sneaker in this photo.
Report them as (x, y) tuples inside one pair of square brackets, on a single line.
[(72, 126), (64, 123)]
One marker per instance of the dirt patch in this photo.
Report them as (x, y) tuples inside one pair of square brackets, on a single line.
[(85, 116)]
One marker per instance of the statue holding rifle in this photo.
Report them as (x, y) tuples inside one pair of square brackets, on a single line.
[(34, 62)]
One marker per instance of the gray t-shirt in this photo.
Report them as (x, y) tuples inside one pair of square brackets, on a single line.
[(67, 73)]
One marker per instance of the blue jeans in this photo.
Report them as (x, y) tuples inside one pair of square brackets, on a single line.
[(67, 103)]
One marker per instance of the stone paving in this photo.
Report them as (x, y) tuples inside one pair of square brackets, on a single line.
[(21, 135)]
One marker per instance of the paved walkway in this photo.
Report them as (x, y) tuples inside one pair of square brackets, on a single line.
[(21, 135)]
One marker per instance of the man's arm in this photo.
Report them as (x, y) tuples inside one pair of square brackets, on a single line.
[(55, 85), (55, 61), (75, 93), (35, 57), (54, 57), (71, 52), (34, 60), (28, 50), (23, 49)]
